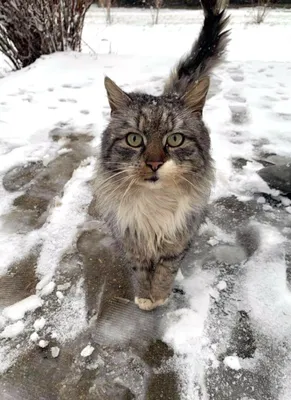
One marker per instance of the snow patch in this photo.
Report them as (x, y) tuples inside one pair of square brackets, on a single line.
[(232, 362), (58, 234), (43, 343), (39, 324), (55, 351), (18, 310), (34, 337), (12, 330), (87, 351), (222, 285), (71, 318), (47, 289)]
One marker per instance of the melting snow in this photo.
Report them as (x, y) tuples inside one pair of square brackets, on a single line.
[(232, 362), (248, 114), (12, 330), (87, 351), (39, 324), (18, 310)]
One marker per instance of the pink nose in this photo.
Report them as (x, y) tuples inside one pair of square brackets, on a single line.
[(154, 165)]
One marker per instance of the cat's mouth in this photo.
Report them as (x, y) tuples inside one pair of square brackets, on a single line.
[(153, 178)]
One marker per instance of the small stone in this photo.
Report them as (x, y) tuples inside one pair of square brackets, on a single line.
[(55, 351), (43, 343), (261, 200)]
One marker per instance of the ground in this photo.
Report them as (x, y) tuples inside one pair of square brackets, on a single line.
[(68, 326)]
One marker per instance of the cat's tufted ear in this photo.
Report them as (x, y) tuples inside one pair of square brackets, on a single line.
[(195, 96), (117, 97)]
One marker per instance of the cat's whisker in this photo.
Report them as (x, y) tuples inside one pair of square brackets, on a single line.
[(113, 176), (110, 184), (127, 190), (197, 188), (190, 183), (110, 195)]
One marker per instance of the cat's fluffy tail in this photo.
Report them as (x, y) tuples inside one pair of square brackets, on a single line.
[(206, 52)]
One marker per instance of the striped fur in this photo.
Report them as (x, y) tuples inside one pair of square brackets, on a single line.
[(155, 213), (206, 53)]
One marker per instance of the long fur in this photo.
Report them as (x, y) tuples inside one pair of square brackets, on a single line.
[(149, 218), (206, 53), (155, 220)]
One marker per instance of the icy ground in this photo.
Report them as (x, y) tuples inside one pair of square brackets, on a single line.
[(66, 331)]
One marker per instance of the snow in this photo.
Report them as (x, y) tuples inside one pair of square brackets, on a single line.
[(222, 285), (232, 362), (47, 289), (71, 319), (39, 324), (55, 351), (34, 337), (59, 295), (18, 310), (248, 113), (87, 351), (13, 330), (58, 234), (43, 343)]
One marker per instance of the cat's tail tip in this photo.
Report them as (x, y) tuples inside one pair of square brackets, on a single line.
[(213, 7)]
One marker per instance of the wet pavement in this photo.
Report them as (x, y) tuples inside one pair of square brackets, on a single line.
[(130, 359)]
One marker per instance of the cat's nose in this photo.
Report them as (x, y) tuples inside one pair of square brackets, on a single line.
[(154, 165)]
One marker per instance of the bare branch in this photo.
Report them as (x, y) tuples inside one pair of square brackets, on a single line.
[(41, 27)]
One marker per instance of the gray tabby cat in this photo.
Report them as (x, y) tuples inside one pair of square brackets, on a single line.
[(155, 171)]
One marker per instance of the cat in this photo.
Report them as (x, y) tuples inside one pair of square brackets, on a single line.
[(155, 170)]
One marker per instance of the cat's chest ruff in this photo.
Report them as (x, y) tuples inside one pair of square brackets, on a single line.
[(154, 216)]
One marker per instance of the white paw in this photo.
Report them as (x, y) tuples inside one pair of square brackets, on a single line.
[(148, 304), (144, 304)]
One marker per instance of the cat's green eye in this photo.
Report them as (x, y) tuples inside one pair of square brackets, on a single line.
[(134, 140), (175, 140)]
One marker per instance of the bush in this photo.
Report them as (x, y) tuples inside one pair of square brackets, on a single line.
[(260, 11), (35, 27)]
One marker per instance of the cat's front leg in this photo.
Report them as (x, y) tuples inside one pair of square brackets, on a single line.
[(162, 282), (142, 277)]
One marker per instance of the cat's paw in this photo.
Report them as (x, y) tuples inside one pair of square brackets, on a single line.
[(148, 304), (144, 304)]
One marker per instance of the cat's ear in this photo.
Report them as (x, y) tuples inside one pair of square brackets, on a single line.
[(195, 95), (117, 97)]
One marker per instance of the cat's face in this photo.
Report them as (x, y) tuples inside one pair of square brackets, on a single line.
[(154, 141)]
